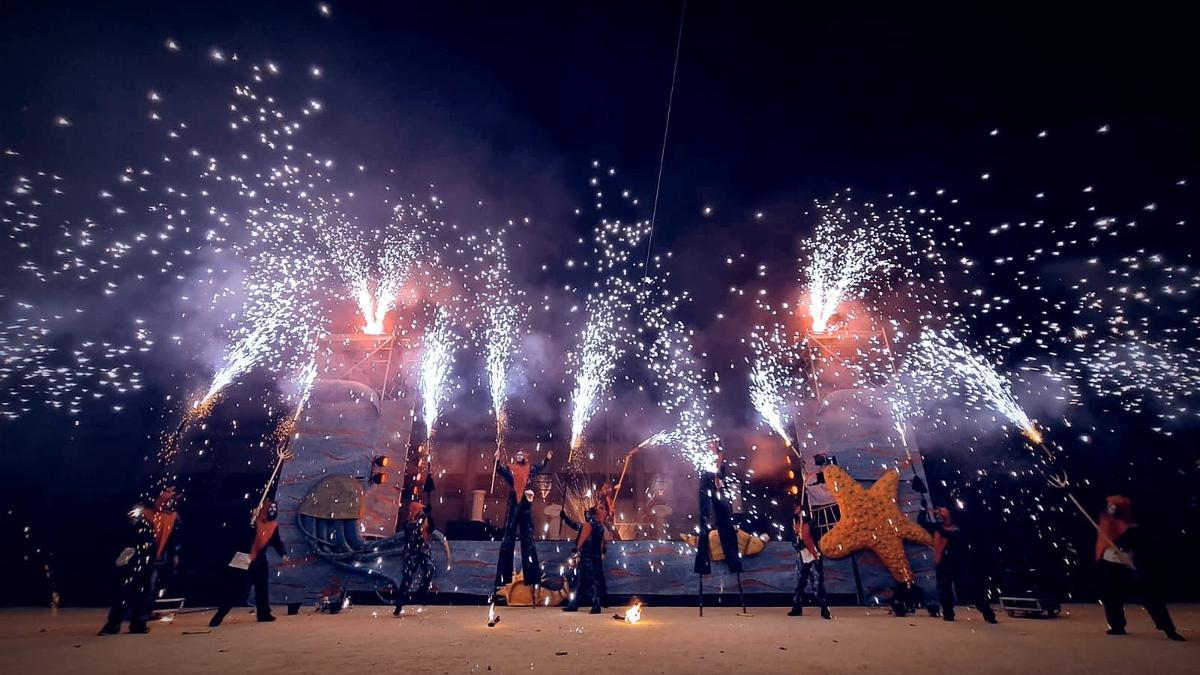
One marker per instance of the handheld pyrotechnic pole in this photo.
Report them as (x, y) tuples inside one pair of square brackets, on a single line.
[(621, 480), (500, 420), (1061, 482), (283, 453)]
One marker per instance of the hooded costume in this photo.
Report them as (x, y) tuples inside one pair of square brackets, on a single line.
[(590, 547), (519, 520), (265, 534), (712, 499), (135, 566)]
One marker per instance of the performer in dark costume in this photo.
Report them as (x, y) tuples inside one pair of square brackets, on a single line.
[(809, 562), (519, 520), (418, 558), (589, 546), (1125, 562), (166, 523), (951, 558), (266, 533), (135, 566), (713, 500)]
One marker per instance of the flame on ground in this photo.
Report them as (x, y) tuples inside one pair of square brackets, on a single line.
[(634, 613)]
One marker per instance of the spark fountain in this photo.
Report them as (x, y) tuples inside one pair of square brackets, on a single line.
[(847, 254)]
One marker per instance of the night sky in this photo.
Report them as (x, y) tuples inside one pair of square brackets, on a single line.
[(501, 110)]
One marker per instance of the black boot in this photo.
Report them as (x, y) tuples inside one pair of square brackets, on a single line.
[(825, 613), (796, 611)]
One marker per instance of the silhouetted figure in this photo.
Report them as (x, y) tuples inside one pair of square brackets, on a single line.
[(167, 549), (266, 533), (809, 562), (1125, 563), (952, 562), (135, 566), (418, 557), (715, 510), (589, 546)]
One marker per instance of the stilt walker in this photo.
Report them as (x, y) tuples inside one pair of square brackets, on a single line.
[(519, 521), (713, 501)]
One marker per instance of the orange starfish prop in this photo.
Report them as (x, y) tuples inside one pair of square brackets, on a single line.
[(872, 520)]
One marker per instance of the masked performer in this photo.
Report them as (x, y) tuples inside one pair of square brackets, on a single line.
[(519, 519), (589, 546), (951, 559), (1125, 562), (809, 563), (135, 566), (256, 572), (713, 499)]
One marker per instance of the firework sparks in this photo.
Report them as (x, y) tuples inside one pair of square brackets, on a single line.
[(439, 345), (848, 252), (376, 268), (596, 357), (503, 316), (940, 365), (772, 379), (683, 389)]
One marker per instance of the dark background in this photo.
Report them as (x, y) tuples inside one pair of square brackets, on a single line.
[(776, 104)]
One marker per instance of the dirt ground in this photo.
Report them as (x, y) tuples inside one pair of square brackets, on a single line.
[(440, 639)]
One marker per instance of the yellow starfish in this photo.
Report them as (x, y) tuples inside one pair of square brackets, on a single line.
[(871, 520)]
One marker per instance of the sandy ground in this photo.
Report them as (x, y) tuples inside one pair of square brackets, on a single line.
[(440, 639)]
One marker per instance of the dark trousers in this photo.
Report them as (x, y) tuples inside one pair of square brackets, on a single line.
[(130, 603), (518, 522), (236, 583), (806, 571), (722, 513), (418, 567), (952, 580), (906, 598), (1116, 581), (590, 584)]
